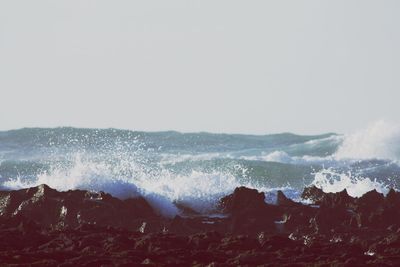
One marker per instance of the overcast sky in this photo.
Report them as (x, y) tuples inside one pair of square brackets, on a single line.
[(219, 66)]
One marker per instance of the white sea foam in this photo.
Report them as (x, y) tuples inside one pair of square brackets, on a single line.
[(283, 157), (124, 172), (331, 181), (278, 156), (174, 158), (161, 187), (381, 140)]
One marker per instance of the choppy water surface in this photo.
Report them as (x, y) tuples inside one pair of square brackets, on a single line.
[(198, 168)]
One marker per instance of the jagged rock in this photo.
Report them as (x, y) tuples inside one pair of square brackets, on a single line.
[(313, 194), (185, 210), (392, 198), (276, 242), (294, 215), (196, 224), (242, 199), (49, 207), (207, 240), (242, 237), (336, 200), (282, 200), (370, 201), (328, 218), (317, 196), (248, 211), (237, 243)]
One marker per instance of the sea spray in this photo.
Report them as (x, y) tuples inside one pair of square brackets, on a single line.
[(199, 190), (380, 140), (331, 181), (196, 169)]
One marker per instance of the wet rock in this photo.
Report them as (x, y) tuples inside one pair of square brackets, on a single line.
[(282, 200), (370, 208), (242, 199), (328, 218), (336, 200), (370, 201), (186, 210), (49, 207), (342, 231), (313, 194), (249, 214), (239, 243), (392, 198), (207, 240)]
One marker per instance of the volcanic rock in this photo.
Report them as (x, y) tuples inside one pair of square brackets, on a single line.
[(243, 200), (370, 201), (42, 227), (392, 198), (49, 207), (282, 200), (248, 211), (336, 200), (313, 194)]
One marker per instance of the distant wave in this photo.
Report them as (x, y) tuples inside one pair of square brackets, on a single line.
[(381, 140)]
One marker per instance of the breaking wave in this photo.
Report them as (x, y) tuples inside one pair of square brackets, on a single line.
[(331, 181), (380, 140), (196, 169), (163, 188)]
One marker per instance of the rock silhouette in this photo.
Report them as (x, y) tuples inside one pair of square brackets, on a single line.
[(40, 226)]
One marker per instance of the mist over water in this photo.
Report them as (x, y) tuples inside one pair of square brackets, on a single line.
[(197, 169)]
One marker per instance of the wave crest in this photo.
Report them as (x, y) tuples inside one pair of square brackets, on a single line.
[(198, 190), (331, 181), (381, 140)]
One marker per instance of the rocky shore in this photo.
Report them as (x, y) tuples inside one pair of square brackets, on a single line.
[(43, 227)]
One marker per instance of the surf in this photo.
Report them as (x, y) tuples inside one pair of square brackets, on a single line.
[(196, 169)]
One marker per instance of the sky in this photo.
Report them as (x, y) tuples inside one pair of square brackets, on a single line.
[(218, 66)]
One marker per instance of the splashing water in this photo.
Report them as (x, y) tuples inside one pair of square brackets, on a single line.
[(381, 140), (198, 190), (331, 181), (169, 168)]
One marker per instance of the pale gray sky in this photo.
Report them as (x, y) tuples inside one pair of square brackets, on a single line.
[(219, 66)]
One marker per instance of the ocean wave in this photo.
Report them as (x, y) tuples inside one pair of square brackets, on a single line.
[(197, 169), (331, 181), (283, 157), (381, 140), (163, 188)]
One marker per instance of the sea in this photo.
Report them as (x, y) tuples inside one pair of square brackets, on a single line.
[(196, 169)]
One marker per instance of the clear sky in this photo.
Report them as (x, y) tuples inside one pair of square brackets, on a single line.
[(219, 66)]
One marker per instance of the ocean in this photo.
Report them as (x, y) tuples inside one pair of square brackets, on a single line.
[(196, 169)]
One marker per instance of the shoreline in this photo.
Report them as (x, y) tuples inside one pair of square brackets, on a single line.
[(44, 227)]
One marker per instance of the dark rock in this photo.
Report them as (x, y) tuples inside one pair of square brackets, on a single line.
[(392, 198), (276, 242), (242, 199), (282, 200), (328, 218), (239, 243), (185, 210), (336, 200), (370, 208), (249, 214), (313, 194), (206, 240), (49, 207), (370, 201), (95, 229)]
